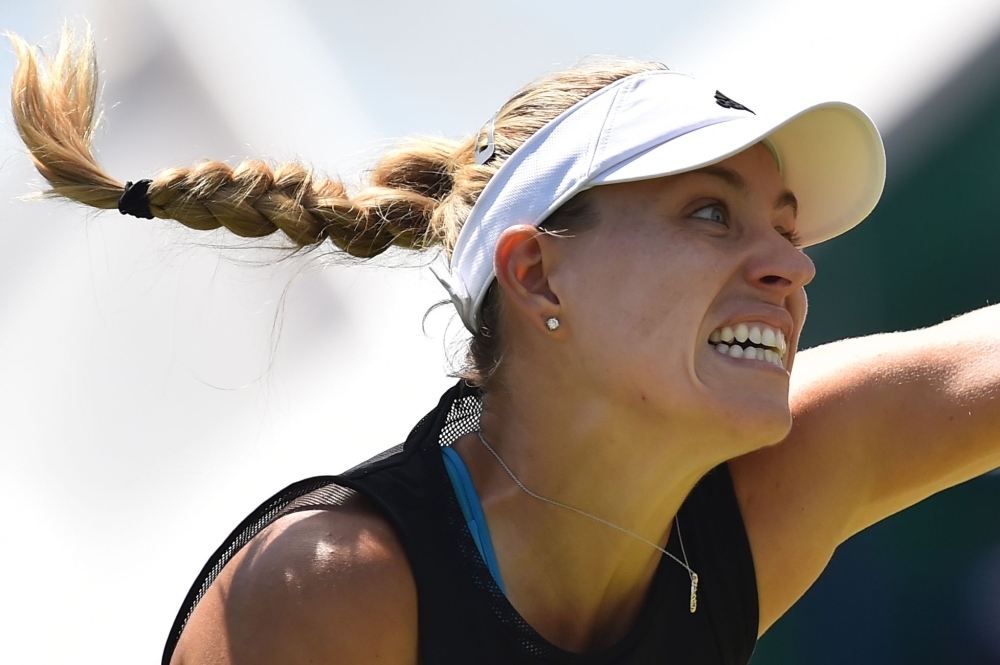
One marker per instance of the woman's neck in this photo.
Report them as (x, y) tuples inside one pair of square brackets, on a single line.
[(578, 582)]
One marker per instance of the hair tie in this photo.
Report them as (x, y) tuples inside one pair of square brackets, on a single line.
[(135, 200)]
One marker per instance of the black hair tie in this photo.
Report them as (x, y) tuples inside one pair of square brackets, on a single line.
[(135, 200)]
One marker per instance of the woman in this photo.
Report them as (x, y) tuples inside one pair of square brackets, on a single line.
[(625, 473)]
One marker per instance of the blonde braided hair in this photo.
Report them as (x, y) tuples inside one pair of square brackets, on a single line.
[(417, 196)]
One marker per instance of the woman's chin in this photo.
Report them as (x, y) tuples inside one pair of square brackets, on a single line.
[(755, 421)]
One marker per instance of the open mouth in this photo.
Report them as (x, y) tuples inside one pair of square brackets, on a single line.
[(753, 341)]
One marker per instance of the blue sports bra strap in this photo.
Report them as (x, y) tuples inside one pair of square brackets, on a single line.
[(472, 510)]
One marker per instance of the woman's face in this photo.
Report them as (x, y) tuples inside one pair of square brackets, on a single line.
[(674, 262)]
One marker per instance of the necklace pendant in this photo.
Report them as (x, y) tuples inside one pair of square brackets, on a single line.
[(694, 592)]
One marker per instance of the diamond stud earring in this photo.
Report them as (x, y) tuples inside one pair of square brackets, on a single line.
[(552, 323)]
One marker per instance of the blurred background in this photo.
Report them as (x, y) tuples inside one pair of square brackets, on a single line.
[(156, 383)]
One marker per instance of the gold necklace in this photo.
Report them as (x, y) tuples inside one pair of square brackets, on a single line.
[(693, 575)]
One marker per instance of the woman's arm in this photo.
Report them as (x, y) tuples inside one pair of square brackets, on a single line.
[(316, 587), (880, 423)]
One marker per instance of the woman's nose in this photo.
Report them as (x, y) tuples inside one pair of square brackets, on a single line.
[(777, 265)]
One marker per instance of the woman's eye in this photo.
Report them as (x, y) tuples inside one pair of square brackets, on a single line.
[(792, 237), (715, 213)]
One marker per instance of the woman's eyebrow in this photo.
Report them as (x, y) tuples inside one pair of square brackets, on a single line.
[(736, 181), (786, 198), (731, 178)]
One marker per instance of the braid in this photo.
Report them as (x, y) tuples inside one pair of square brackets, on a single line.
[(54, 110), (254, 200)]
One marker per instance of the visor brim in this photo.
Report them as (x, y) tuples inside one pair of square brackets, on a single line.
[(830, 156)]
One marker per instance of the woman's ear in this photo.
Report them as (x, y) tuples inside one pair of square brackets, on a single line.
[(523, 263)]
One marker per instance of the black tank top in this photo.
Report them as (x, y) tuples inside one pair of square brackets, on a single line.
[(464, 617)]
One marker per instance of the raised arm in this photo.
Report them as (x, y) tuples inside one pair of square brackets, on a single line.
[(880, 423)]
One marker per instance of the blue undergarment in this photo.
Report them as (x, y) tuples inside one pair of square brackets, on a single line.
[(472, 510)]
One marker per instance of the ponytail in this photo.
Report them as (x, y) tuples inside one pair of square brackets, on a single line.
[(54, 105)]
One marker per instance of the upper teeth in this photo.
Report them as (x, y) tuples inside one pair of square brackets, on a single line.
[(757, 333)]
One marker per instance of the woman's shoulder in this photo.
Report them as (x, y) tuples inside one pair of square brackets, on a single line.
[(331, 585)]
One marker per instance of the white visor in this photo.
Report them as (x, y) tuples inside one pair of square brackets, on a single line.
[(661, 123)]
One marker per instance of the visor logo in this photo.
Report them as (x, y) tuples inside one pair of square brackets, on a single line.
[(727, 103)]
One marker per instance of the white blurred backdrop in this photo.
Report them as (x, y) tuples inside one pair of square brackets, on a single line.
[(146, 401)]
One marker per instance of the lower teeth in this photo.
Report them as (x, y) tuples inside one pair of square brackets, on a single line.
[(750, 353)]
